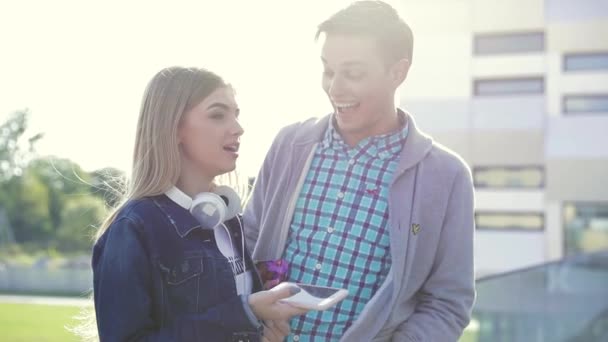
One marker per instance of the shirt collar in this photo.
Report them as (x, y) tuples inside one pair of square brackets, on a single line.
[(179, 197), (382, 146)]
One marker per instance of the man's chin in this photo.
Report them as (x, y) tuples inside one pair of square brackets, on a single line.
[(348, 125)]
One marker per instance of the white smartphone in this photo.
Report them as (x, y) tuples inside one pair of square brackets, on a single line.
[(314, 297)]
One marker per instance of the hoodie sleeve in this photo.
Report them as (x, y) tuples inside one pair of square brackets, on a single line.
[(255, 208)]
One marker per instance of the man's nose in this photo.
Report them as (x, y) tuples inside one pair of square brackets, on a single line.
[(336, 87)]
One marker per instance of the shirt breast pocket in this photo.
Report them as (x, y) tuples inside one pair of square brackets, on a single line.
[(185, 281)]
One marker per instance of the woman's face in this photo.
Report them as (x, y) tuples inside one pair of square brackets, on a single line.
[(209, 134)]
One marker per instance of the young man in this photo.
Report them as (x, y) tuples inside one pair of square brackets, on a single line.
[(362, 200)]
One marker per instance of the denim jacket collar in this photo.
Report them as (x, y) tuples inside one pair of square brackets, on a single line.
[(179, 197), (176, 205)]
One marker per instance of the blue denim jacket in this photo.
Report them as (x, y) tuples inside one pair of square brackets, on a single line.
[(158, 276)]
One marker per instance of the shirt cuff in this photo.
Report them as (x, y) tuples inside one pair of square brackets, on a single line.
[(254, 320)]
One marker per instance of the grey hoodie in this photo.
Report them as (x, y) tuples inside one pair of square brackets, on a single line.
[(429, 291)]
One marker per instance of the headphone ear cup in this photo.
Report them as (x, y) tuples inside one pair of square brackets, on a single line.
[(231, 199), (209, 210)]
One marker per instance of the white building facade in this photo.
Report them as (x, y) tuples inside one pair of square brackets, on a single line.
[(519, 89)]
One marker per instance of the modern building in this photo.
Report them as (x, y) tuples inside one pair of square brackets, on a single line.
[(519, 89)]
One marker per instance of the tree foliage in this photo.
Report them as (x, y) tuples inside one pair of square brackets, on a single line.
[(50, 202)]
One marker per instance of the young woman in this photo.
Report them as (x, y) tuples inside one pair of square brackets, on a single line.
[(159, 273)]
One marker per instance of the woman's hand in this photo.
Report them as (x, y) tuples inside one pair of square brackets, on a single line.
[(275, 331), (266, 305)]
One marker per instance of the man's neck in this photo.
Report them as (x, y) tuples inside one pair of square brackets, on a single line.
[(389, 123)]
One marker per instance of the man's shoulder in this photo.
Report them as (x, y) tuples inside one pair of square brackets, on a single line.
[(447, 159), (302, 132), (307, 129)]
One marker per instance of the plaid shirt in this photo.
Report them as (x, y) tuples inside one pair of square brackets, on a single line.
[(339, 235)]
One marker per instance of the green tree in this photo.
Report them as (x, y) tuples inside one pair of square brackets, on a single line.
[(13, 157), (108, 184), (64, 179), (79, 220), (15, 196), (28, 209), (50, 202)]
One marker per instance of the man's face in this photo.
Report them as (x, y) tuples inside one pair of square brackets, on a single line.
[(359, 84)]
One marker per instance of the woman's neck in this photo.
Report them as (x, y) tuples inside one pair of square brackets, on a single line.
[(192, 183)]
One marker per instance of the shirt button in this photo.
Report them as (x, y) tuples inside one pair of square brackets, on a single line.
[(318, 266), (330, 230), (340, 194), (351, 162), (296, 337)]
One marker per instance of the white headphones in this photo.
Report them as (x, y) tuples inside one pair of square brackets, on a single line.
[(214, 208)]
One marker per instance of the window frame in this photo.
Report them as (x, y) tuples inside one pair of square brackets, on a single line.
[(540, 168), (488, 35), (540, 78), (565, 57), (563, 221), (566, 97), (512, 213)]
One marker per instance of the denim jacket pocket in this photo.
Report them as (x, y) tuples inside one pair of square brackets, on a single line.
[(185, 270), (183, 281)]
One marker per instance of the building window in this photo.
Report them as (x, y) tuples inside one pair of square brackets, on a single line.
[(508, 43), (574, 104), (586, 61), (509, 221), (524, 177), (586, 226), (509, 86)]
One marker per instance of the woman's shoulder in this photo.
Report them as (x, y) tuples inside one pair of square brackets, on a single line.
[(137, 210), (135, 216)]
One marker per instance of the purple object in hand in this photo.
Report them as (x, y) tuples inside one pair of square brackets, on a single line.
[(272, 272)]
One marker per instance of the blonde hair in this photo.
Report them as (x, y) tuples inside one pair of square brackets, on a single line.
[(156, 160)]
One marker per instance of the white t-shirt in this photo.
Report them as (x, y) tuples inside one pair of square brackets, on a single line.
[(234, 253)]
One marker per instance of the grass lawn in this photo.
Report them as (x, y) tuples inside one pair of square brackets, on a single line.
[(46, 323), (35, 322)]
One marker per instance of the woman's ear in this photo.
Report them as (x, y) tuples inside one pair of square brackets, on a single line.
[(178, 135)]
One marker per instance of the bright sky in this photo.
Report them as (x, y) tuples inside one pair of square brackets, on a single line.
[(81, 67)]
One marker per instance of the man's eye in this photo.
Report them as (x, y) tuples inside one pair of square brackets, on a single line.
[(354, 74), (217, 116)]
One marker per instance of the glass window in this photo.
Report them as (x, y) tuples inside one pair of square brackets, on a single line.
[(509, 221), (586, 103), (586, 226), (509, 177), (509, 86), (586, 61), (507, 43), (582, 11), (558, 301)]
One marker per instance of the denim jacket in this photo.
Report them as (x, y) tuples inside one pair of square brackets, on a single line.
[(159, 276)]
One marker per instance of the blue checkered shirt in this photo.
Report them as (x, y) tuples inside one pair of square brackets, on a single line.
[(338, 235)]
